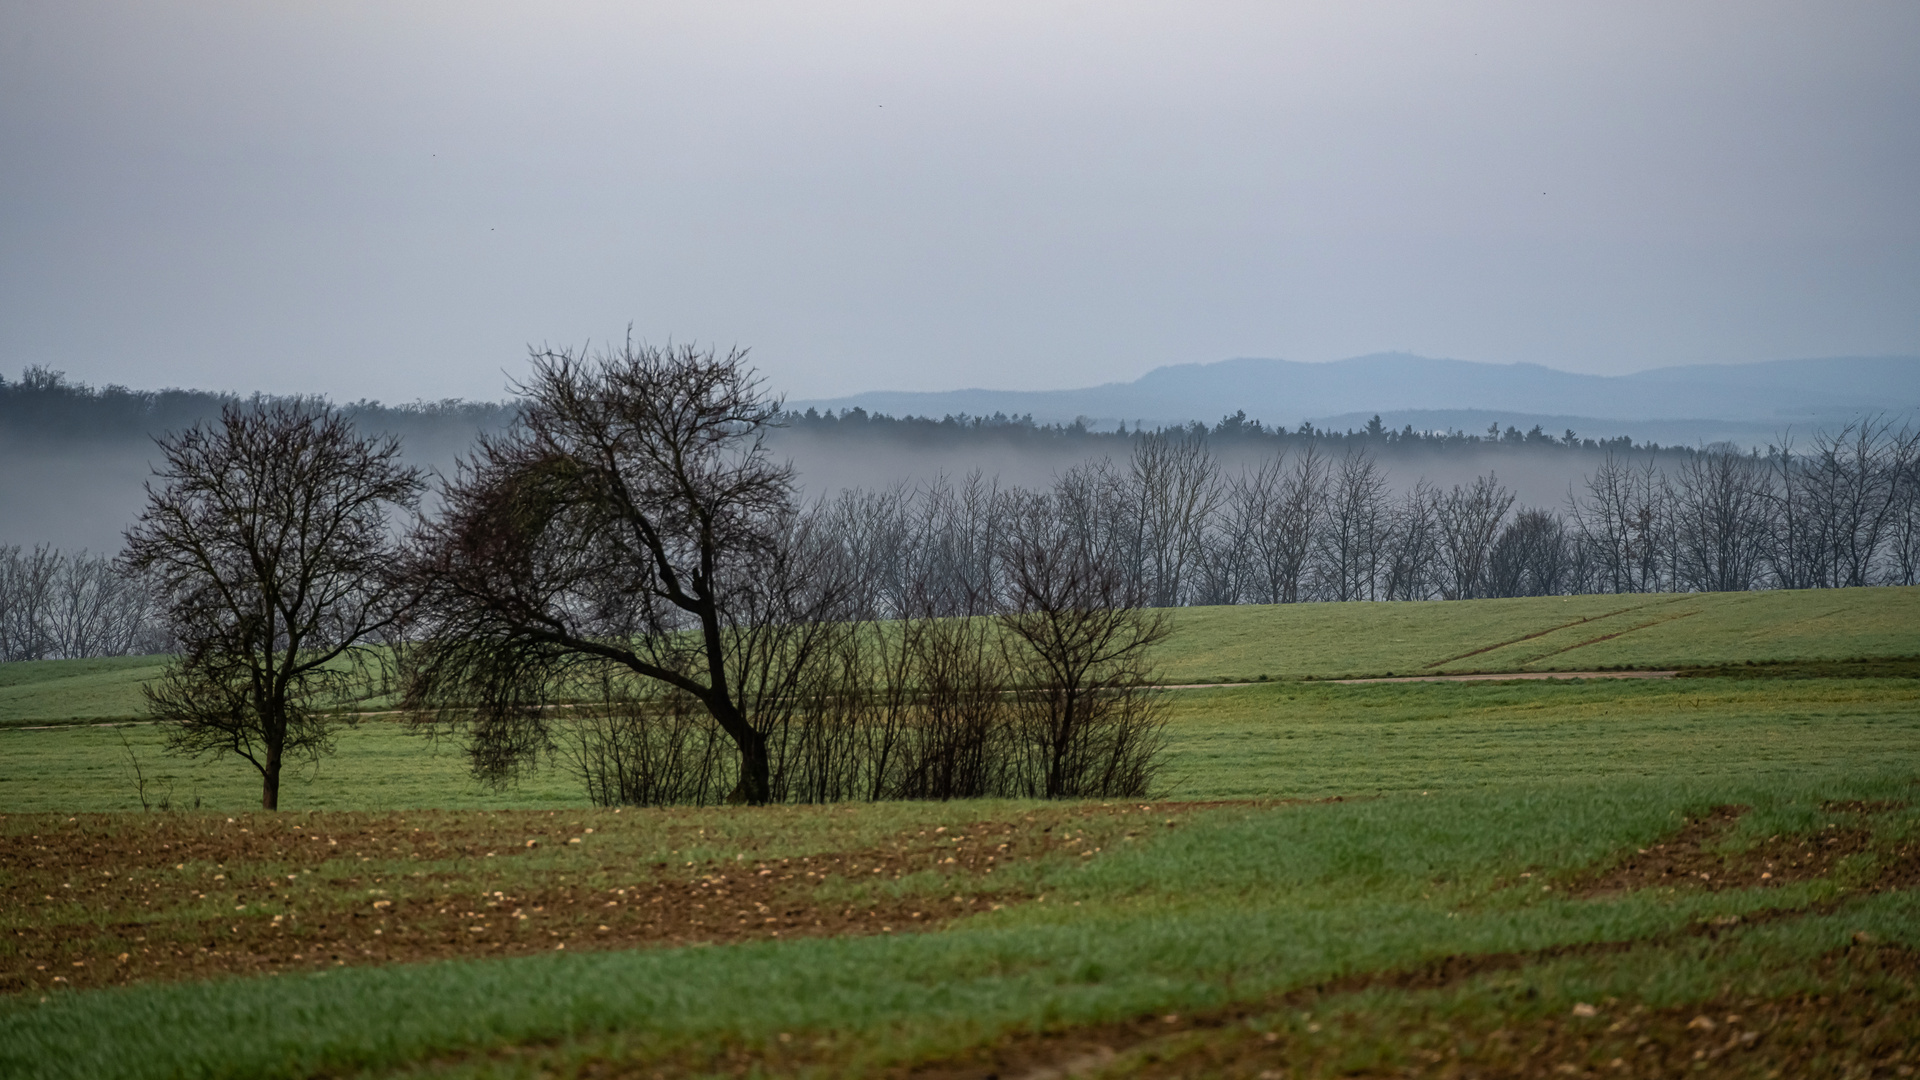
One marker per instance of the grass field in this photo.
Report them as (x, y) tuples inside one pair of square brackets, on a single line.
[(1285, 740), (1428, 879), (1577, 633), (69, 691), (1323, 641)]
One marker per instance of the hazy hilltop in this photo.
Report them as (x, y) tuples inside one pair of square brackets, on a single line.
[(1746, 403)]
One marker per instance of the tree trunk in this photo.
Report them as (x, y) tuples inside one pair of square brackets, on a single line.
[(756, 788)]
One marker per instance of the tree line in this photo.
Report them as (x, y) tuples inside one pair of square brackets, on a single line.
[(57, 605), (43, 404), (1237, 428), (1309, 524)]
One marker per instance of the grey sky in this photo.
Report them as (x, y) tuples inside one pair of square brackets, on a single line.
[(392, 200)]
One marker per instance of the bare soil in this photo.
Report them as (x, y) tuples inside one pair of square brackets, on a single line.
[(1691, 858), (111, 899)]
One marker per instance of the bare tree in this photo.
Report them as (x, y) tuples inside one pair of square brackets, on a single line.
[(1284, 502), (1721, 525), (1903, 539), (1469, 521), (1798, 553), (1090, 719), (1354, 531), (1175, 480), (875, 531), (1531, 556), (1621, 523), (55, 605), (955, 570), (27, 601), (270, 542), (1413, 544), (635, 523), (1100, 512), (1225, 561), (1851, 484)]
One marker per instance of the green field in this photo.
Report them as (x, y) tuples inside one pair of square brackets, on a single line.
[(1577, 633), (1276, 740), (1322, 641), (1429, 879), (69, 691)]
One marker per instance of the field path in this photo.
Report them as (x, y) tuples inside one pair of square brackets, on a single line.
[(1508, 675), (1554, 630)]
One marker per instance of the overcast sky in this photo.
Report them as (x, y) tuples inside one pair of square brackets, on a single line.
[(393, 200)]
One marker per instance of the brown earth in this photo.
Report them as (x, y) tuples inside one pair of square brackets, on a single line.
[(122, 898), (1865, 1024), (108, 899), (1690, 859), (1869, 1029)]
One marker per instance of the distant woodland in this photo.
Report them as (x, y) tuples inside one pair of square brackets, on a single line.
[(43, 405), (1228, 513)]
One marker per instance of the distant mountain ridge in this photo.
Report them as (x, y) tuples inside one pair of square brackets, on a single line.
[(1764, 395)]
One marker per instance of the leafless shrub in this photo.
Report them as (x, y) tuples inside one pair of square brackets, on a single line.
[(632, 747)]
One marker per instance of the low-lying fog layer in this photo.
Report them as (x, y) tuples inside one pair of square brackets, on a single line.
[(832, 461), (78, 493)]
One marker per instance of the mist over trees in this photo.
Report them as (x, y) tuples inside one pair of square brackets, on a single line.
[(1312, 522), (75, 456), (56, 605), (1238, 512)]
